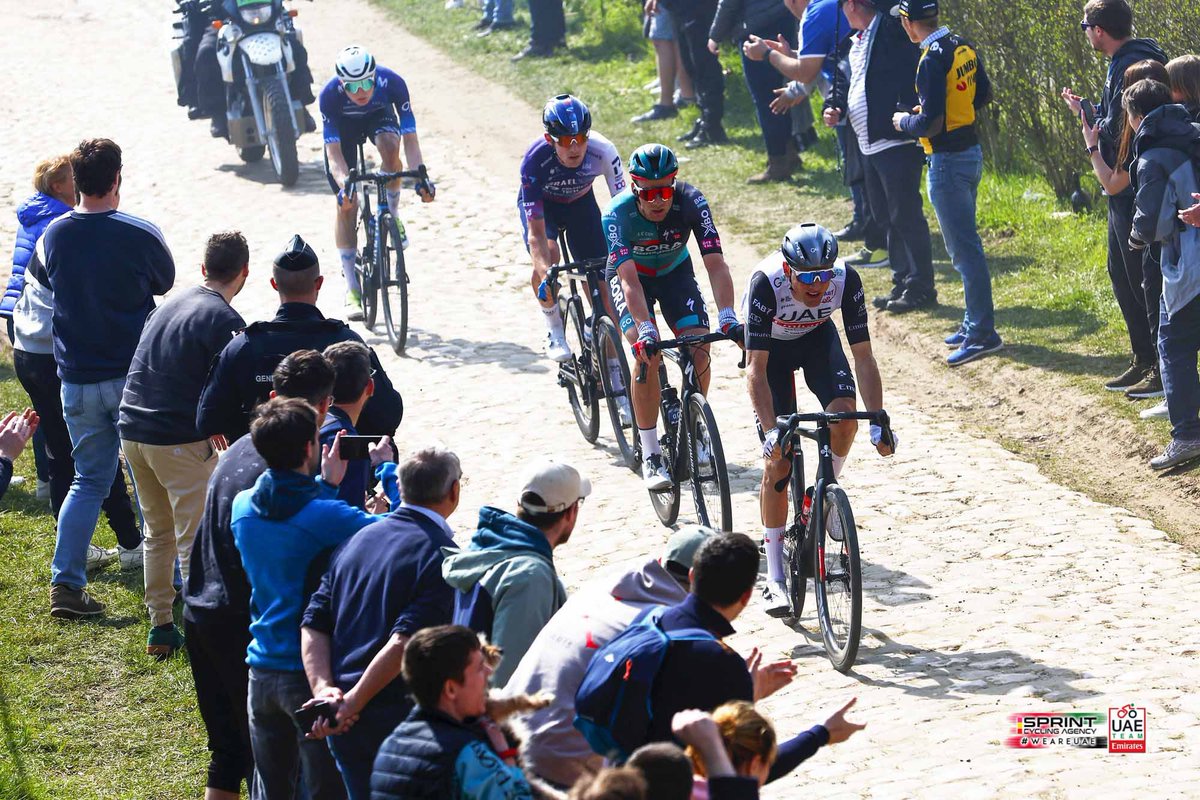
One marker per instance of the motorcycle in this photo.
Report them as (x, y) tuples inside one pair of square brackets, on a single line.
[(254, 52)]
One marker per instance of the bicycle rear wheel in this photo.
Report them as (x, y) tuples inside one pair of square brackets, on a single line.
[(838, 581), (710, 479), (576, 374), (393, 283), (609, 352)]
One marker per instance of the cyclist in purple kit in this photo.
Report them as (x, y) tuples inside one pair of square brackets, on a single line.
[(365, 101), (556, 196)]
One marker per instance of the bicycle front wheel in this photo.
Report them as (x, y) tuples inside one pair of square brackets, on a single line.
[(576, 374), (609, 350), (710, 479), (367, 268), (838, 579), (393, 282)]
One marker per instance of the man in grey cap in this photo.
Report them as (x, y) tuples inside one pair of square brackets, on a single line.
[(559, 657), (507, 587), (240, 378)]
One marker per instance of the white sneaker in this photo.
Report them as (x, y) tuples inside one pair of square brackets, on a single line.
[(98, 558), (43, 489), (654, 474), (557, 348), (775, 599), (130, 559), (1158, 412), (454, 4), (625, 410)]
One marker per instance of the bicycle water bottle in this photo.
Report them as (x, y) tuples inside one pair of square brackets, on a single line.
[(403, 235), (587, 330), (674, 409)]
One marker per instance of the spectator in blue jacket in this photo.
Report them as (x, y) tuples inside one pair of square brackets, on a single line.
[(353, 387), (383, 586), (55, 195), (506, 579), (216, 593), (447, 749), (281, 527), (103, 267)]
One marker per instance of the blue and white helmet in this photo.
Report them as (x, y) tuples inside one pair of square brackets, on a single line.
[(565, 115), (354, 64)]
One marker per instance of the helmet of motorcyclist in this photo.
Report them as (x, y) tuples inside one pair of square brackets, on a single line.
[(650, 162), (565, 115), (354, 64), (809, 246)]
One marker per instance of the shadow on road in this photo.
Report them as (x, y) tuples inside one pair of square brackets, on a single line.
[(432, 349)]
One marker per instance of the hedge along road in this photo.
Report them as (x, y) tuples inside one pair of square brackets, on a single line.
[(989, 589)]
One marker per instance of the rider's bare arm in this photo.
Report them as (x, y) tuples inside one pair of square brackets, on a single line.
[(337, 162), (760, 391), (539, 246), (870, 385), (634, 298), (719, 278)]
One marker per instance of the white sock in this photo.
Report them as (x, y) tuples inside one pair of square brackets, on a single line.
[(554, 322), (614, 373), (348, 254), (838, 463), (773, 542), (650, 445), (393, 199)]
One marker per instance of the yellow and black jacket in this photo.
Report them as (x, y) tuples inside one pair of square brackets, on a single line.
[(951, 86)]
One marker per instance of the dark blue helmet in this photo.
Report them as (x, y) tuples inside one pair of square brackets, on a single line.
[(809, 246), (653, 161), (565, 115)]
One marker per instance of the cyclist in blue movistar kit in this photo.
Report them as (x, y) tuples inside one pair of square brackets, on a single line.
[(556, 196), (648, 229), (365, 101), (789, 307)]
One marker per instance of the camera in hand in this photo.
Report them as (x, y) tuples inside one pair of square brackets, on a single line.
[(352, 448)]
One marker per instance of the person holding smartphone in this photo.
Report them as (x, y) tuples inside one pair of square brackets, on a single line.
[(352, 388)]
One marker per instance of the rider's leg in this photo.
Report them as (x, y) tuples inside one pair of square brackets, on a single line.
[(841, 434), (774, 507), (645, 398), (346, 239), (388, 143), (828, 375)]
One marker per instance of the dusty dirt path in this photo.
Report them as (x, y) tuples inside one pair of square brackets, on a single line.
[(990, 589)]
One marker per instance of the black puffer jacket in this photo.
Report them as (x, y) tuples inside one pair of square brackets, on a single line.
[(737, 19), (1110, 114)]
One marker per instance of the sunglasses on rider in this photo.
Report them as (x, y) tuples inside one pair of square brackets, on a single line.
[(651, 193), (354, 87), (815, 276), (567, 141)]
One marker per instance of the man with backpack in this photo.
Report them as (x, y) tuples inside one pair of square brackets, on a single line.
[(507, 585), (674, 658)]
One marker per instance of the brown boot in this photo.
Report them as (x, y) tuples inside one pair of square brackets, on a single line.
[(777, 169), (791, 157)]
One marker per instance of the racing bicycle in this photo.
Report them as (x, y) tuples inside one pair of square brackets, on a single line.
[(382, 279), (691, 444), (822, 541), (597, 367)]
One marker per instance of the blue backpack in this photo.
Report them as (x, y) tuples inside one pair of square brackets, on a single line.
[(474, 610), (612, 706)]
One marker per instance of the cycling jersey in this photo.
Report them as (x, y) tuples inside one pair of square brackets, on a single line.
[(390, 92), (656, 248), (545, 179), (772, 313), (676, 293)]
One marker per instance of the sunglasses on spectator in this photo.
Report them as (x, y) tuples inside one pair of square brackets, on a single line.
[(1083, 26), (651, 193), (567, 141), (354, 87), (816, 276)]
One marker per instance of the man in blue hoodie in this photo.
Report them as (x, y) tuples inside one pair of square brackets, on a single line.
[(507, 586), (281, 527)]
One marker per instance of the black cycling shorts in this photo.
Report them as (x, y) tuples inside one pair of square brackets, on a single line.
[(826, 370), (354, 130), (579, 219), (676, 293)]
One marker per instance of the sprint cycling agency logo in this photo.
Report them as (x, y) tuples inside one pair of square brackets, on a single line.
[(1121, 730)]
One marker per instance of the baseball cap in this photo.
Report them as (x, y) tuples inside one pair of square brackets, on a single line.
[(683, 546), (297, 257), (918, 9), (552, 486)]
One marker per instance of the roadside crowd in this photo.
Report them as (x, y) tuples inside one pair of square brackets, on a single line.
[(337, 636)]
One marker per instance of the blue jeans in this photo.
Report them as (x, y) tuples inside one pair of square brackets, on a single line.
[(499, 11), (355, 750), (953, 183), (90, 411), (1178, 344), (279, 746)]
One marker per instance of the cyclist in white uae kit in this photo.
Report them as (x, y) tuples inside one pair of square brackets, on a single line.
[(789, 309)]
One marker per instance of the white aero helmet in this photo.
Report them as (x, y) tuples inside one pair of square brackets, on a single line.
[(354, 64)]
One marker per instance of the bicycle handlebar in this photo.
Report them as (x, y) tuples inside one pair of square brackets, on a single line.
[(788, 426), (579, 269), (679, 342), (354, 177)]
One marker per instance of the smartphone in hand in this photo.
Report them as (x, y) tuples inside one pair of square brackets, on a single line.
[(1088, 112), (307, 716), (352, 448)]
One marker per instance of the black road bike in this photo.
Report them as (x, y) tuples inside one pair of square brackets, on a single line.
[(691, 443), (822, 544), (598, 368), (382, 279)]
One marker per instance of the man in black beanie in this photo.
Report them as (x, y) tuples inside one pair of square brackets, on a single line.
[(240, 378)]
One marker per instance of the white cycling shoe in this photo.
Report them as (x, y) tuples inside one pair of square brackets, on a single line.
[(654, 474), (775, 599), (557, 348)]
